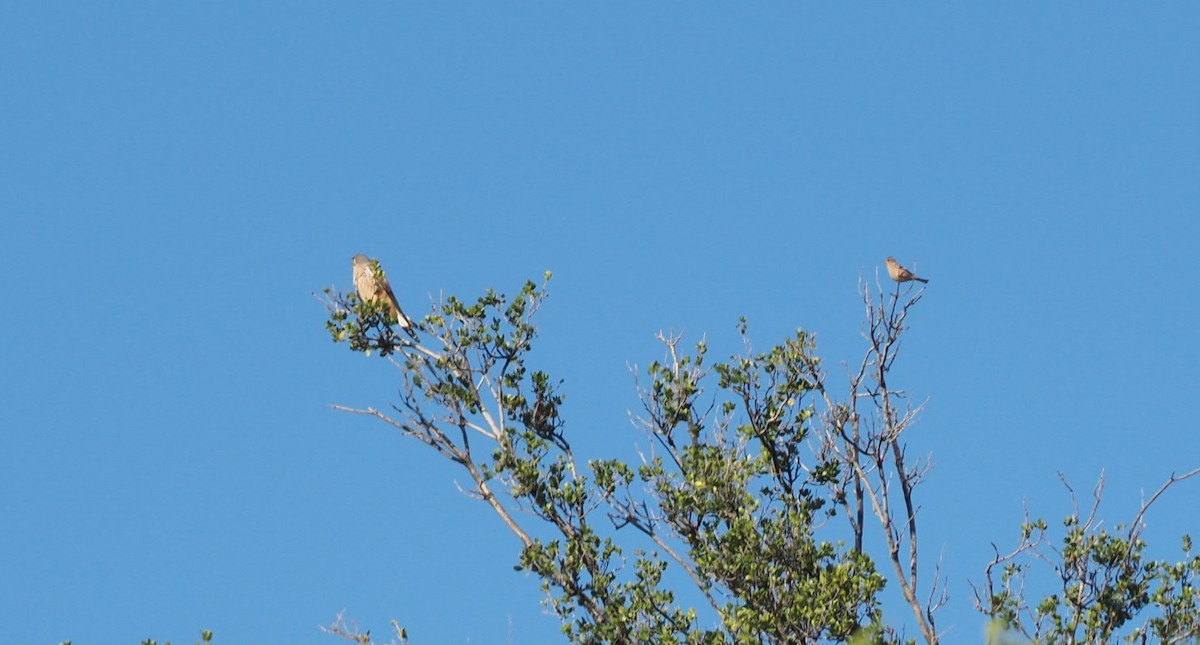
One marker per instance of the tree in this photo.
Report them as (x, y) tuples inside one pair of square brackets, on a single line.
[(787, 506), (1104, 589)]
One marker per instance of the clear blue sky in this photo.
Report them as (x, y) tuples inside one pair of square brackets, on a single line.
[(177, 179)]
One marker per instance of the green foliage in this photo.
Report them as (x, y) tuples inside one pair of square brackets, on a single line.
[(751, 460), (730, 501), (366, 326), (735, 488), (1107, 590), (206, 636)]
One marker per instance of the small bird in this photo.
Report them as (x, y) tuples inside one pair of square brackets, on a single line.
[(899, 273), (372, 286)]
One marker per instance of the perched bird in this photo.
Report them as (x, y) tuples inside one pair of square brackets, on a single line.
[(372, 286), (899, 273)]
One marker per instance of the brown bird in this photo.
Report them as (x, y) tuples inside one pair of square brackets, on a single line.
[(899, 273), (372, 286)]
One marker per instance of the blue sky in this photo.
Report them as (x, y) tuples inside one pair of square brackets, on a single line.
[(177, 179)]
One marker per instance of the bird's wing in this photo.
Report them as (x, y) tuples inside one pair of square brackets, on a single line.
[(383, 286), (404, 321)]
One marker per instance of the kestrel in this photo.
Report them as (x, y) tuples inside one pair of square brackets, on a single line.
[(899, 273), (372, 286)]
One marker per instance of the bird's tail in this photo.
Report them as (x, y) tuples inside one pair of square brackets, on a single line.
[(405, 323)]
